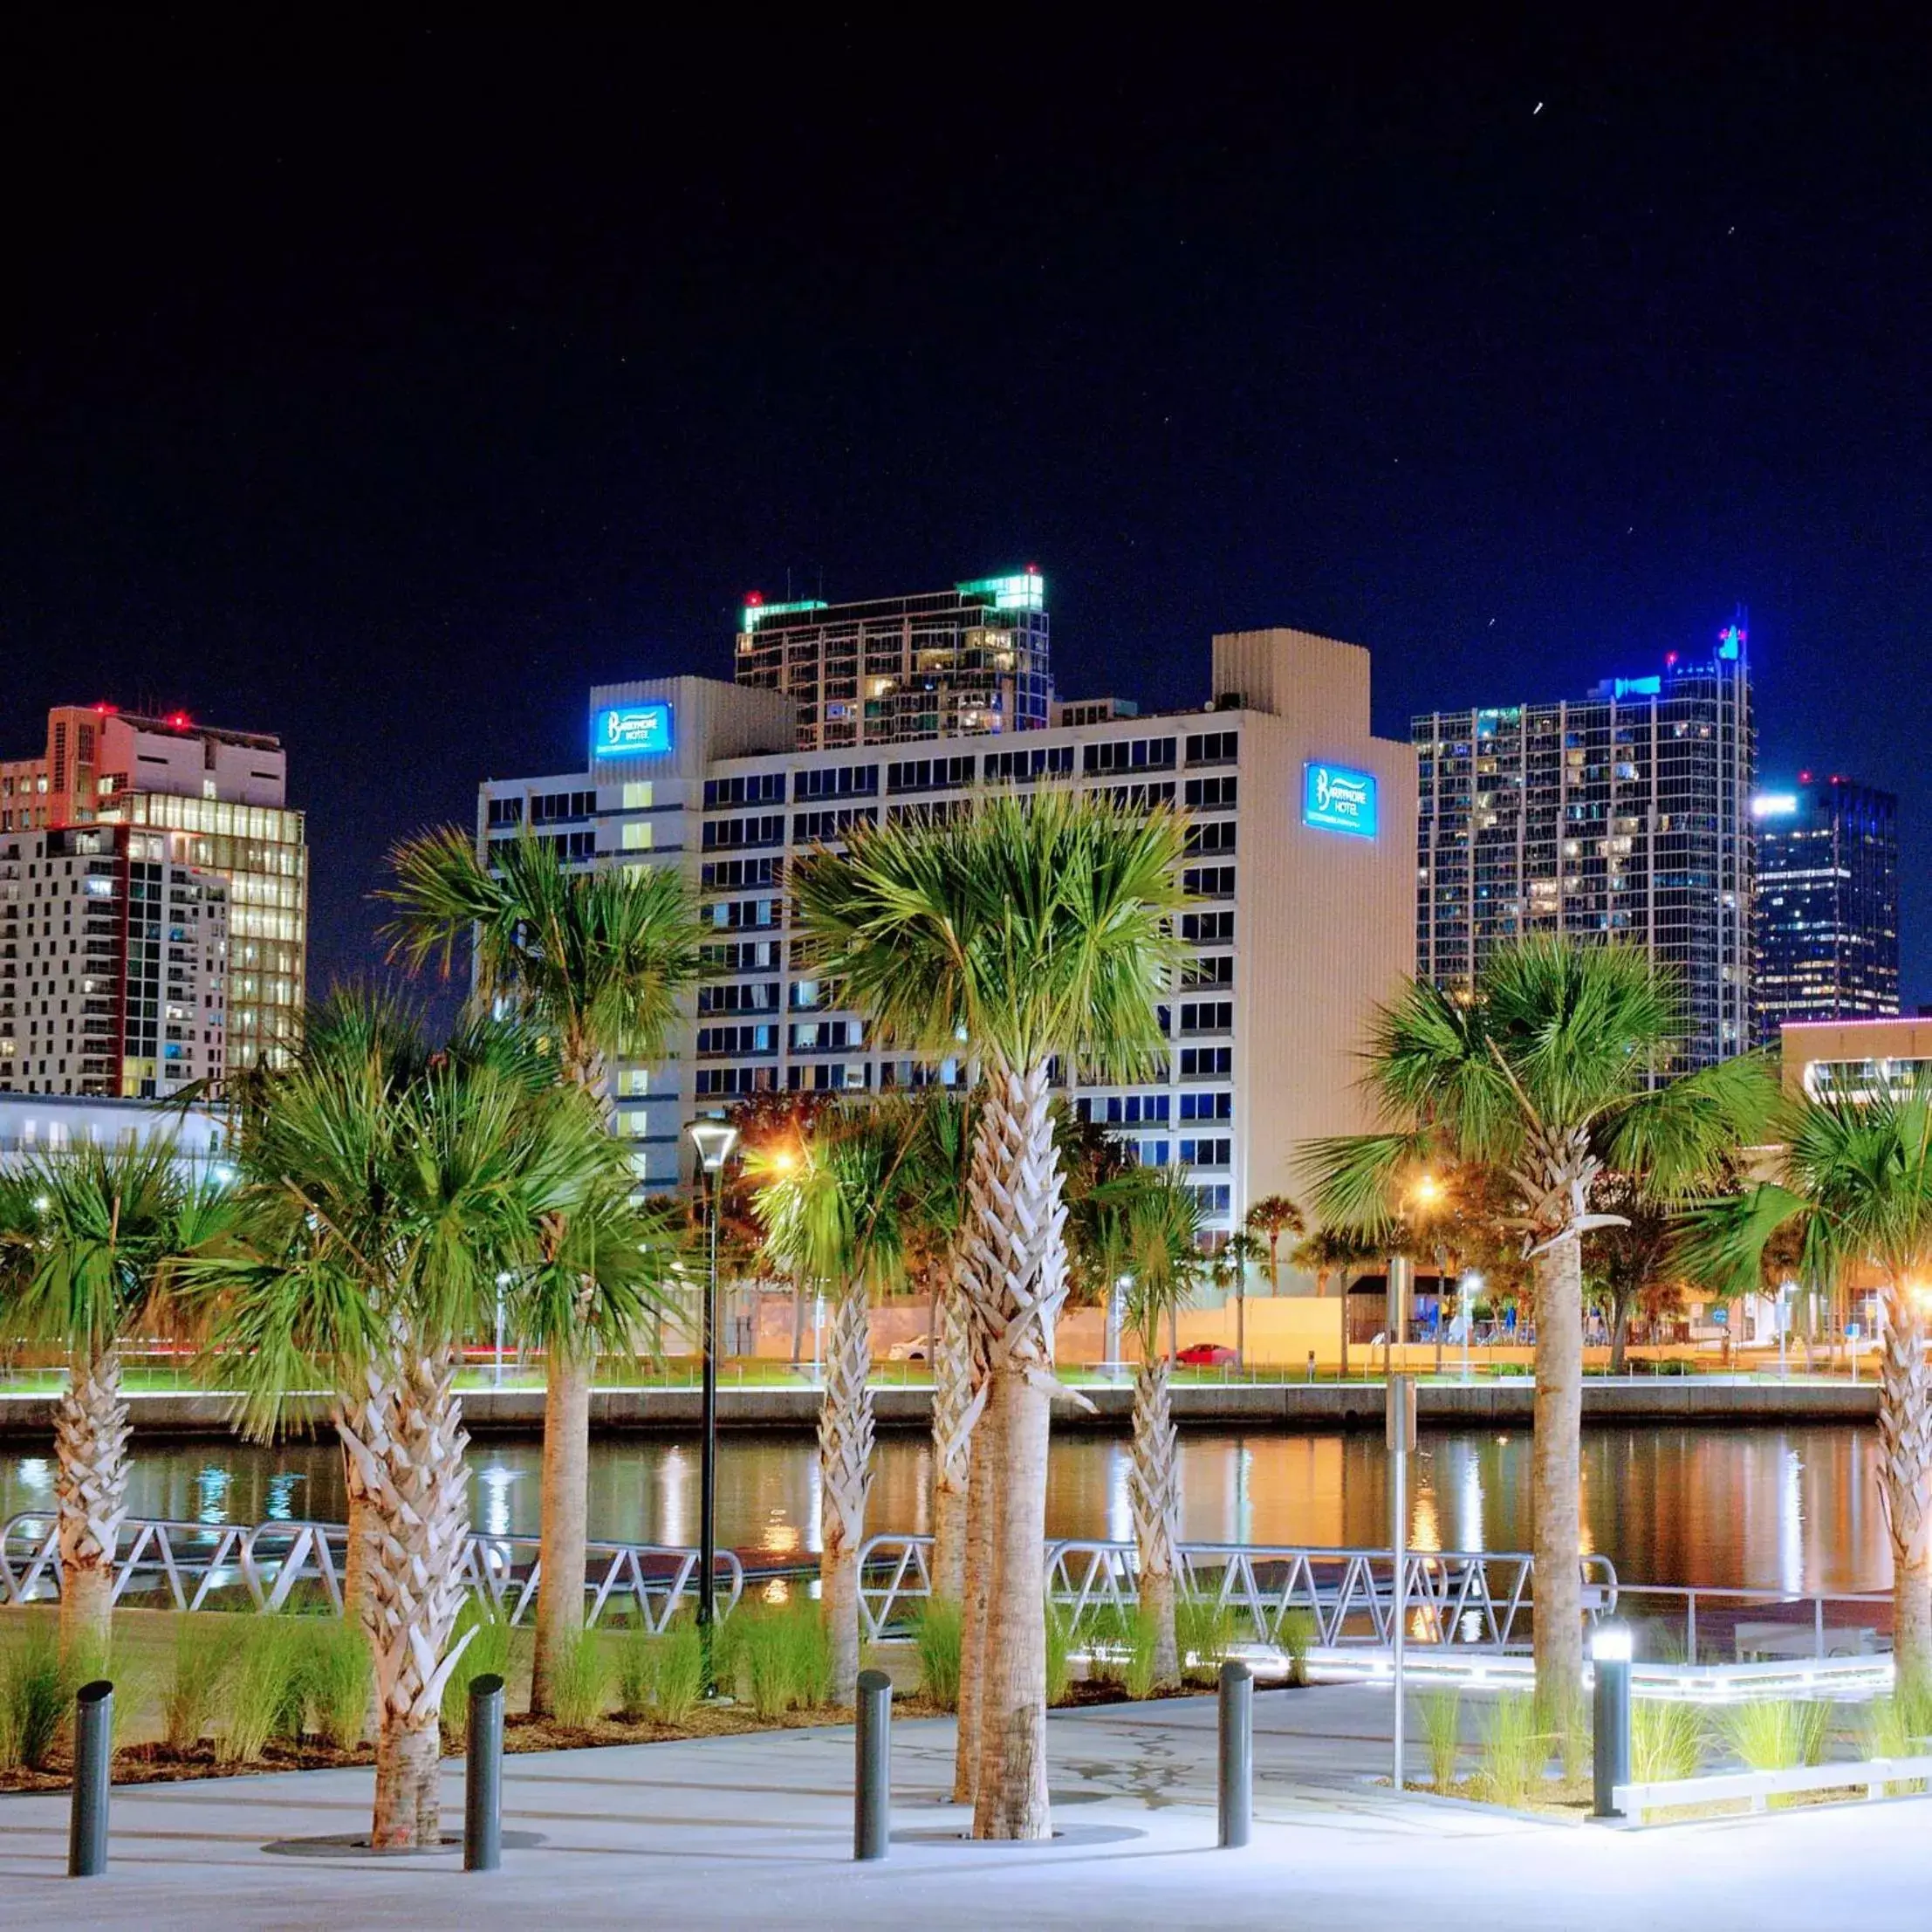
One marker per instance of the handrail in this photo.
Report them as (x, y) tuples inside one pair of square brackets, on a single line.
[(195, 1562)]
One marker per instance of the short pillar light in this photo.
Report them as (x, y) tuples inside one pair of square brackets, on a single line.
[(1610, 1651)]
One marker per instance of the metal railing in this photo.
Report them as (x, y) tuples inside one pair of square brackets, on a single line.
[(210, 1567), (1475, 1597)]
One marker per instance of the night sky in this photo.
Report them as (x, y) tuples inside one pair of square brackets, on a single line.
[(385, 390)]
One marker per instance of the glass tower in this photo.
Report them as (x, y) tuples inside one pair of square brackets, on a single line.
[(950, 663), (1624, 815), (1827, 904)]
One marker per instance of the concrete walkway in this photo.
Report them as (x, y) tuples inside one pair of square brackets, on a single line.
[(756, 1832)]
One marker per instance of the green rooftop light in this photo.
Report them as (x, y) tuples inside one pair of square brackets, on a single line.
[(754, 611), (1027, 591)]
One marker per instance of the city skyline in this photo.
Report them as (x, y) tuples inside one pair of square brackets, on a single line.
[(1520, 365)]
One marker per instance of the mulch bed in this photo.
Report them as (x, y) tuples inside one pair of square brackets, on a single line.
[(155, 1763)]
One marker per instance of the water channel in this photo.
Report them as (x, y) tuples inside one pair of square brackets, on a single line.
[(1792, 1509)]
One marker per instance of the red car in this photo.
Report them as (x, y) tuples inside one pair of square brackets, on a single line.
[(1206, 1355)]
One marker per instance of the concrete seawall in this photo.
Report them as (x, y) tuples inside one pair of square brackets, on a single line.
[(1321, 1407)]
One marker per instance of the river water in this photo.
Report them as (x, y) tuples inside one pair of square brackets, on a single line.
[(1792, 1509)]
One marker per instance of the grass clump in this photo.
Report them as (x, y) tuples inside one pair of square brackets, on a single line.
[(784, 1660), (336, 1670), (205, 1650), (1205, 1631), (36, 1689), (634, 1671), (1776, 1733), (1060, 1651), (936, 1638), (1142, 1641), (1441, 1711), (487, 1654), (1895, 1727), (1666, 1740), (680, 1681), (1515, 1748), (260, 1695), (1297, 1638), (580, 1683), (1565, 1721)]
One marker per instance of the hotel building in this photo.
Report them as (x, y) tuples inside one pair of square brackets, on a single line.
[(1301, 837), (1624, 815), (1827, 903), (208, 802)]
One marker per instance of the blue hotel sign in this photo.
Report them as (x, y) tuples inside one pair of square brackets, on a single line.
[(1333, 799), (631, 730)]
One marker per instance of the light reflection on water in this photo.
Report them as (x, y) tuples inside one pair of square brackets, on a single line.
[(1792, 1508)]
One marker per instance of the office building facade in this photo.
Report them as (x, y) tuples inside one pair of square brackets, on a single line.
[(962, 662), (113, 965), (1301, 832), (1624, 815), (1827, 903), (216, 800)]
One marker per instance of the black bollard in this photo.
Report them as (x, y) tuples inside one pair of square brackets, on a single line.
[(482, 1788), (93, 1757), (1610, 1742), (1238, 1754), (871, 1809)]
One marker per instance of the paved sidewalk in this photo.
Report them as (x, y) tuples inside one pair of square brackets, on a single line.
[(750, 1832)]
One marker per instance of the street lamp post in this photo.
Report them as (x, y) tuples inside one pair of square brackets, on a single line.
[(712, 1139), (1402, 1442)]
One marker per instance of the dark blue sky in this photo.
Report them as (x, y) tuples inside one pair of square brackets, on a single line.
[(386, 389)]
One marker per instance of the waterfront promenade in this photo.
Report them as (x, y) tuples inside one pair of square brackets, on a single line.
[(756, 1832)]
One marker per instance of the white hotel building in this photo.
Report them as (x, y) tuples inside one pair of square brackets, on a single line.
[(1302, 857)]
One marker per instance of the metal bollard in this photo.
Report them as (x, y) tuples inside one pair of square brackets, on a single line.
[(483, 1787), (872, 1810), (1610, 1746), (94, 1756), (1238, 1754)]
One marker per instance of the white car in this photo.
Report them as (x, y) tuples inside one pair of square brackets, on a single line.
[(918, 1349)]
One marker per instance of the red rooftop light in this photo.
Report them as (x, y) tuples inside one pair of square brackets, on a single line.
[(754, 599), (106, 710), (178, 719)]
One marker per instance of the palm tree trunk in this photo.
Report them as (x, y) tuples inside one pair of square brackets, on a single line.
[(798, 1318), (1905, 1480), (1018, 1276), (562, 1527), (91, 1496), (415, 1482), (953, 1418), (1620, 1332), (1011, 1801), (1556, 1453), (986, 1469), (1442, 1303), (845, 1482), (1241, 1325), (1153, 1490)]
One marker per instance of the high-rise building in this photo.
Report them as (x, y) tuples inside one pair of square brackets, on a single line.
[(1827, 903), (1624, 815), (943, 664), (217, 800), (113, 965), (1301, 835)]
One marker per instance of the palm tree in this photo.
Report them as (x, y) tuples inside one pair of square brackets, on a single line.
[(1232, 1260), (88, 1239), (1030, 931), (1148, 1223), (594, 961), (384, 1203), (838, 1212), (1854, 1178), (1327, 1252), (1272, 1218), (1548, 1073), (1622, 1261)]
